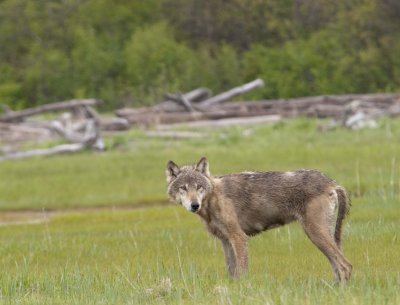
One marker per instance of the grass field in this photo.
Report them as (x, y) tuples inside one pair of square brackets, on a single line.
[(162, 255), (132, 173)]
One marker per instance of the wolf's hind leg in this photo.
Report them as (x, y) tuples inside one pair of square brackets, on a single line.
[(317, 223)]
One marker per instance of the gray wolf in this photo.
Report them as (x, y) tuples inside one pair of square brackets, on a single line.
[(237, 206)]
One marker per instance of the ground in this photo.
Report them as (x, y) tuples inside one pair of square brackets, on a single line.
[(97, 229)]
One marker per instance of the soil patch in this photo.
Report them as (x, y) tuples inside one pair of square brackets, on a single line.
[(37, 217)]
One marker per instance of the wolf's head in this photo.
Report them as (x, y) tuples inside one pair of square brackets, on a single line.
[(189, 185)]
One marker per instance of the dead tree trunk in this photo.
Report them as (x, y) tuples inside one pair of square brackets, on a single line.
[(181, 99), (60, 149), (171, 104), (225, 122), (198, 95), (17, 116), (228, 95), (86, 132)]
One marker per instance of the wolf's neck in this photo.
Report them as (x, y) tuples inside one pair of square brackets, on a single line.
[(211, 201)]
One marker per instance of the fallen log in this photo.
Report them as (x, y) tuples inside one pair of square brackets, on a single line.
[(228, 95), (394, 110), (174, 134), (87, 137), (86, 132), (18, 133), (114, 124), (227, 122), (60, 149), (171, 104), (181, 99), (196, 95), (152, 119), (17, 116)]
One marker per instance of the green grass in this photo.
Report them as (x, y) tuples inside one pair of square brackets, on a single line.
[(163, 255), (132, 172)]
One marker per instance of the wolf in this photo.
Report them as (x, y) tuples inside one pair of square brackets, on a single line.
[(235, 207)]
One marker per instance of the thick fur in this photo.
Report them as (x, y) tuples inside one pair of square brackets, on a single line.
[(237, 206)]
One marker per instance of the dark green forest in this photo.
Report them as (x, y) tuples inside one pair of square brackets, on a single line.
[(129, 53)]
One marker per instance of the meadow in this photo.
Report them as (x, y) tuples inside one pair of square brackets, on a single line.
[(141, 250)]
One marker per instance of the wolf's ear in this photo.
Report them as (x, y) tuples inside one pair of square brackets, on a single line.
[(203, 167), (172, 171)]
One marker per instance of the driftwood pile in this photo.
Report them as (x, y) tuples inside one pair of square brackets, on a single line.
[(81, 127), (352, 111), (192, 106)]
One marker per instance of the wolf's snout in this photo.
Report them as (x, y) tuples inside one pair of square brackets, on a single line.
[(194, 206)]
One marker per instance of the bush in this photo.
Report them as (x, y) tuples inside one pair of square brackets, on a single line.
[(156, 63)]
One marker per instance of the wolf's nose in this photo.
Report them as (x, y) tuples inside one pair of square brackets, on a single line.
[(195, 206)]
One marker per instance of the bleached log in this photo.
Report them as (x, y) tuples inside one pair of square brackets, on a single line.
[(227, 122), (394, 110), (19, 133), (151, 119), (196, 95), (60, 149), (114, 124), (25, 129), (16, 116), (169, 105), (174, 134), (228, 95), (67, 132), (181, 99)]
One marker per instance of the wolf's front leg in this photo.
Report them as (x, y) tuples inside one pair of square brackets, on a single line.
[(230, 259), (236, 254), (240, 248)]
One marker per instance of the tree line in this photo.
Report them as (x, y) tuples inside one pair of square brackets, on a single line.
[(132, 52)]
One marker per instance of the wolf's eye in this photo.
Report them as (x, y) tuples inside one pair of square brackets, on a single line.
[(183, 188), (199, 187)]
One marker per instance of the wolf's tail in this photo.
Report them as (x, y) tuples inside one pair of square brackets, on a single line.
[(344, 208)]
